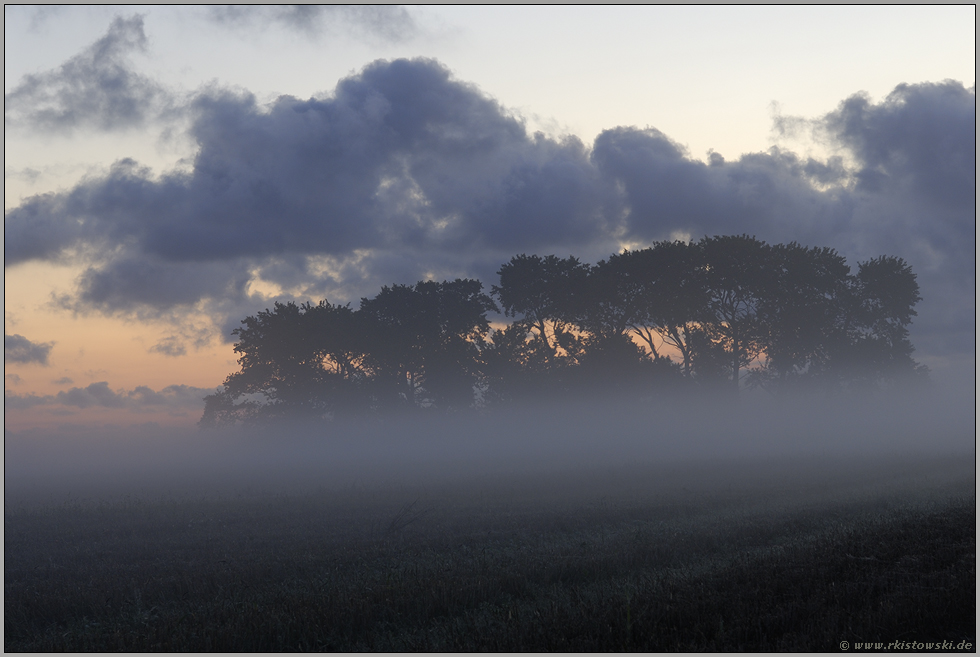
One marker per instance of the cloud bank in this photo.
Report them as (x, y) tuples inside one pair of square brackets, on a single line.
[(405, 172), (99, 395)]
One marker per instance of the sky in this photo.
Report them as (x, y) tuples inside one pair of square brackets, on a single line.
[(171, 170)]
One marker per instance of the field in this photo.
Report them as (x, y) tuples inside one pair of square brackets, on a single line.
[(757, 555)]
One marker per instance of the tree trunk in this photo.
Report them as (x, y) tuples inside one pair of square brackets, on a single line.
[(735, 360)]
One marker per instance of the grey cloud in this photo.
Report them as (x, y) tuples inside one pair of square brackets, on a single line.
[(401, 156), (132, 281), (18, 349), (912, 194), (100, 395), (915, 155), (769, 194), (37, 229), (385, 23), (27, 174), (95, 394), (921, 135), (41, 15), (170, 346), (831, 172), (20, 402), (97, 88), (390, 23), (170, 396), (63, 381), (916, 182), (405, 172)]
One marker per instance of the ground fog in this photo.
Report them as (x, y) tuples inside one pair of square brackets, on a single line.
[(153, 461)]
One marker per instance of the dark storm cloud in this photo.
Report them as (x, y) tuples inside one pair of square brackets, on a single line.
[(18, 349), (385, 23), (406, 173), (99, 395), (97, 88)]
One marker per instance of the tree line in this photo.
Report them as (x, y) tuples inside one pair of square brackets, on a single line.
[(722, 313)]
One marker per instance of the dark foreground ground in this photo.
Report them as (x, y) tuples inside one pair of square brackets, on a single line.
[(710, 556)]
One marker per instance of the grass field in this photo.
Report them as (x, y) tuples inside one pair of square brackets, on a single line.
[(778, 555)]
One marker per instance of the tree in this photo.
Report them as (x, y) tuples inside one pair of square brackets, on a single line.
[(296, 361), (547, 294), (735, 270), (422, 342), (794, 314), (657, 293), (616, 365), (800, 312), (878, 304), (517, 366)]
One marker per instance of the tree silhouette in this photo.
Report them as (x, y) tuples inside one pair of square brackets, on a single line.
[(517, 365), (735, 270), (793, 317), (657, 293), (546, 293), (878, 305), (296, 361), (800, 314), (422, 342)]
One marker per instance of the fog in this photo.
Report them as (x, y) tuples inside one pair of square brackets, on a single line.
[(738, 436)]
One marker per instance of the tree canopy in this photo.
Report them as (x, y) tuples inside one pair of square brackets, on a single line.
[(725, 312)]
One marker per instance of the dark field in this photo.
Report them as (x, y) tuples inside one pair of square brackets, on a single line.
[(766, 555)]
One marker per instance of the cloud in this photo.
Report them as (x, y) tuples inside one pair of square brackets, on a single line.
[(916, 196), (402, 157), (95, 394), (41, 15), (97, 88), (170, 346), (405, 173), (379, 23), (133, 279), (920, 135), (99, 395), (775, 195), (20, 402), (173, 395), (18, 349), (902, 183)]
